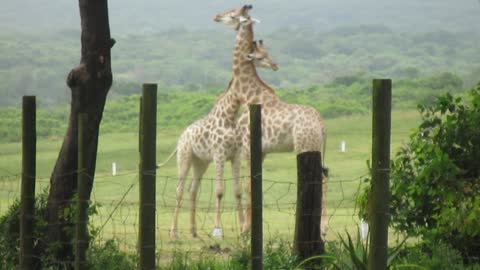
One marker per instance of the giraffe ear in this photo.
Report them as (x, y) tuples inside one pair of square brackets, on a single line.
[(250, 57)]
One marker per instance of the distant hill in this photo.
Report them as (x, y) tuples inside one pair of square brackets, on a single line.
[(176, 43)]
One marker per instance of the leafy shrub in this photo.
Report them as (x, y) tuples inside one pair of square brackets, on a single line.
[(100, 256), (279, 255), (435, 177), (438, 256), (10, 233), (107, 255), (352, 253)]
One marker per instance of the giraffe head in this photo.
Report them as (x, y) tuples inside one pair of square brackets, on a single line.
[(235, 17), (261, 57)]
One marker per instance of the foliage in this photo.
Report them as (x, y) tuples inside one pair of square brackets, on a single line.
[(438, 256), (201, 59), (107, 255), (183, 260), (352, 254), (101, 256), (348, 95), (435, 177), (10, 233), (277, 256)]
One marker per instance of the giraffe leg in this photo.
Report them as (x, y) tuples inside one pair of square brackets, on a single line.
[(219, 190), (237, 188), (199, 169), (183, 162)]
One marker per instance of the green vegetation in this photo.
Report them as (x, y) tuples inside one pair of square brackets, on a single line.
[(435, 176), (101, 254), (201, 59), (349, 95), (328, 53), (207, 253), (279, 184)]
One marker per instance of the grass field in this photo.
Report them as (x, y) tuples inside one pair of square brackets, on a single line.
[(117, 196)]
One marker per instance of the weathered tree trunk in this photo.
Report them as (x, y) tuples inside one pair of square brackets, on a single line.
[(89, 84)]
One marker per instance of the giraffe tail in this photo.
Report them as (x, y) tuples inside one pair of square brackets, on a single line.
[(168, 159)]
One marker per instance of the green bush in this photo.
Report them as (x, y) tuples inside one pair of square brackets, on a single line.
[(101, 255), (108, 256), (438, 256), (351, 253), (277, 256), (10, 234), (435, 177)]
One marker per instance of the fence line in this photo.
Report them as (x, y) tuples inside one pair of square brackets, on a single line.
[(118, 215), (122, 213)]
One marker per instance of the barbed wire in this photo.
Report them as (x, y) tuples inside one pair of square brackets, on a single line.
[(117, 209)]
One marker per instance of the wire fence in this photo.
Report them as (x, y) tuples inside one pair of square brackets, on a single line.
[(115, 202)]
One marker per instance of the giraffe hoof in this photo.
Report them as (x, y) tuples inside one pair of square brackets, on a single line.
[(217, 232), (173, 235), (245, 229)]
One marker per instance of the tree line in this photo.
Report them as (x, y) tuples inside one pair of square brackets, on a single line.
[(196, 60)]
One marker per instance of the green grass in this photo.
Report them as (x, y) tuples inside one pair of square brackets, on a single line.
[(346, 170)]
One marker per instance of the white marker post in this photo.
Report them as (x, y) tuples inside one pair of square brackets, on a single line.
[(343, 147), (114, 168), (363, 229)]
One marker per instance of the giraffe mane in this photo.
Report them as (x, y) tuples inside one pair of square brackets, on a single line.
[(263, 83), (226, 90)]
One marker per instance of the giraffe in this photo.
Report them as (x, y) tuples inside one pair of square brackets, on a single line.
[(213, 138), (285, 126)]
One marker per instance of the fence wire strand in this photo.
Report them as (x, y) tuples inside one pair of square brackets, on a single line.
[(116, 203)]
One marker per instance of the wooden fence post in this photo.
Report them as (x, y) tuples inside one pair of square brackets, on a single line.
[(307, 239), (380, 192), (140, 123), (27, 212), (81, 222), (148, 137), (256, 185)]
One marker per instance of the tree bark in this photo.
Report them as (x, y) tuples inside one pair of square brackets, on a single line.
[(89, 83)]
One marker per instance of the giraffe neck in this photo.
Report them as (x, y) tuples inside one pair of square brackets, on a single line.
[(245, 79), (258, 92), (243, 47)]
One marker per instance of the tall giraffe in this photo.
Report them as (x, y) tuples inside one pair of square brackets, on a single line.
[(212, 138), (285, 126)]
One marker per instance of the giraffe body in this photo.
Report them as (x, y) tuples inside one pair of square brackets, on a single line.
[(213, 138), (285, 127), (209, 139)]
